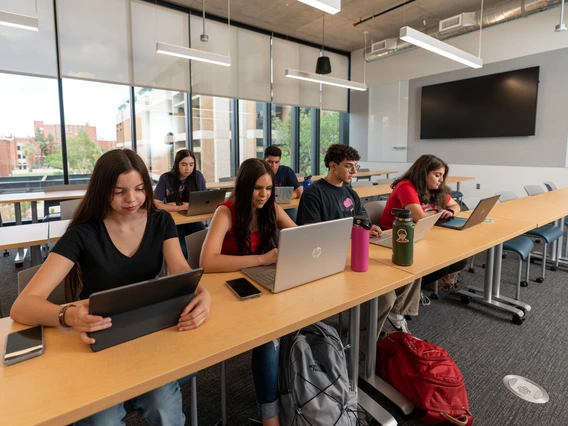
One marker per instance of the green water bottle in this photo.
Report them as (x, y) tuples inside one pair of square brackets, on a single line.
[(402, 237)]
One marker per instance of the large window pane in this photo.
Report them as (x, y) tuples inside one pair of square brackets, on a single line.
[(91, 111), (25, 144), (329, 134), (212, 135), (160, 127), (281, 131), (251, 123), (305, 141)]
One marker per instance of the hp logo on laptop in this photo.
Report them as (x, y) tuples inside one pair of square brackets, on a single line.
[(316, 252)]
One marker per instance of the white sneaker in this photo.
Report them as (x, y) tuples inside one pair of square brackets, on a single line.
[(390, 326)]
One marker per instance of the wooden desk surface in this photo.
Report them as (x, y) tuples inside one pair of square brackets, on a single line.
[(70, 382), (41, 196), (365, 174), (23, 236), (456, 179)]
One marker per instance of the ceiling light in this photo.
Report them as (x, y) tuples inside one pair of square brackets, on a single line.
[(19, 21), (329, 6), (194, 54), (324, 79), (434, 45), (323, 64)]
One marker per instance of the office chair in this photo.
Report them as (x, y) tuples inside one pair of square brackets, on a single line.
[(68, 208)]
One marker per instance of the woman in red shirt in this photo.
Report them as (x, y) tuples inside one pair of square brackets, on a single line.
[(243, 233)]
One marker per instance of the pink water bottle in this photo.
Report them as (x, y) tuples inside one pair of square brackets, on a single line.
[(360, 244)]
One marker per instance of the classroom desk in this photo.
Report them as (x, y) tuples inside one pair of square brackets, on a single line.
[(457, 180), (23, 236), (70, 382), (34, 197)]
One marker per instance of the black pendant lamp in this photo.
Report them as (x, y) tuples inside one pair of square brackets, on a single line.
[(323, 64)]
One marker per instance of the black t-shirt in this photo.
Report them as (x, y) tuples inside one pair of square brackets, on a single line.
[(103, 266), (323, 201), (285, 176)]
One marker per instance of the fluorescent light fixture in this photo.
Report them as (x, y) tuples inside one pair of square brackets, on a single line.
[(194, 54), (434, 45), (19, 21), (329, 6), (324, 79)]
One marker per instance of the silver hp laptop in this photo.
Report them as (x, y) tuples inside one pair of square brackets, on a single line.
[(204, 202), (284, 194), (422, 227), (306, 253), (479, 214)]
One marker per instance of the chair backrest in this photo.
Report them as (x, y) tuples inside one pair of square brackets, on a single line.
[(361, 183), (550, 186), (384, 181), (533, 189), (228, 179), (470, 203), (375, 210), (68, 207), (506, 196), (194, 243), (57, 296)]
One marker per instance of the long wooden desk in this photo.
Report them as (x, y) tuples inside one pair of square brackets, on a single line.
[(70, 382), (457, 180), (24, 236)]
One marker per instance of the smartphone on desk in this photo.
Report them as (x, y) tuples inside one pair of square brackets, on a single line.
[(23, 344), (243, 288)]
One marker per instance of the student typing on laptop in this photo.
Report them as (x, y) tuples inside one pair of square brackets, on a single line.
[(117, 237), (422, 191), (172, 191), (283, 175), (242, 234)]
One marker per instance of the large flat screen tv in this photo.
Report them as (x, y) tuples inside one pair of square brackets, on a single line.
[(494, 105)]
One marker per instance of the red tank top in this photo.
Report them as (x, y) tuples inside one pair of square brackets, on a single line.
[(230, 246)]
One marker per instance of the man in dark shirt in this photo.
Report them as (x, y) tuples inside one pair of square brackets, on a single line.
[(285, 176)]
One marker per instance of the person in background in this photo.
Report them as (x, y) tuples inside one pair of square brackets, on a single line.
[(116, 237), (284, 175), (172, 192), (243, 233), (422, 191)]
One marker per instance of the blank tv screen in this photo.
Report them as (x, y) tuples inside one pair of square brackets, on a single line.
[(494, 105)]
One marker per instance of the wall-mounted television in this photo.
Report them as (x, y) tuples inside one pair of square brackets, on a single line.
[(494, 105)]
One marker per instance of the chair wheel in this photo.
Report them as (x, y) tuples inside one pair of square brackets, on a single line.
[(524, 284), (483, 266), (465, 300), (408, 317), (517, 319), (19, 265), (553, 268), (434, 296), (539, 280), (471, 270), (6, 253), (533, 260), (504, 256), (538, 241)]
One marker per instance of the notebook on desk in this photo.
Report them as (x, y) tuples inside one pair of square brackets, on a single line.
[(477, 216), (283, 194), (422, 227), (204, 202), (305, 253), (142, 308)]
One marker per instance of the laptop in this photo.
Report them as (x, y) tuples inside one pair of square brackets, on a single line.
[(477, 216), (142, 308), (421, 228), (284, 194), (305, 253), (204, 202)]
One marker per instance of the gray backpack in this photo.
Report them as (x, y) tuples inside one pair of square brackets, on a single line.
[(313, 379)]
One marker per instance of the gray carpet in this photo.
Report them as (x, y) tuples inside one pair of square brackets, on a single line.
[(484, 343)]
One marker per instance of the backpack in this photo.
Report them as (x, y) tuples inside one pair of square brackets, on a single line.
[(313, 379), (426, 375)]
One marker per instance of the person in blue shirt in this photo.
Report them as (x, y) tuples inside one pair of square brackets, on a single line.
[(285, 176), (172, 192)]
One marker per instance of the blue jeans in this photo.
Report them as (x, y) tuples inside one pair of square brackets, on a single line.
[(162, 406), (265, 376), (187, 229)]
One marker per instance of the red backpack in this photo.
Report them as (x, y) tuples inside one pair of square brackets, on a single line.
[(426, 375)]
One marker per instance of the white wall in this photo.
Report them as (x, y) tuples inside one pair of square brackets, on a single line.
[(522, 37)]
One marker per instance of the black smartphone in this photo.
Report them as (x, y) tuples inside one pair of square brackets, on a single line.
[(243, 288), (24, 344)]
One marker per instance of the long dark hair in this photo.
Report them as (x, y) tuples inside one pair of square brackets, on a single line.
[(249, 172), (95, 206), (191, 181), (418, 175)]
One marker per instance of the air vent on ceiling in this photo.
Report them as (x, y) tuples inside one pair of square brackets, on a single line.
[(458, 21), (387, 44)]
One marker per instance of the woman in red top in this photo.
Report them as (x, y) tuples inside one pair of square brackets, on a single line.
[(243, 233)]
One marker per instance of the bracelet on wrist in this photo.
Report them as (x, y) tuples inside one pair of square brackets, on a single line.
[(61, 316)]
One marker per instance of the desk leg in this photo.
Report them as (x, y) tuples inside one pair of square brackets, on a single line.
[(457, 186), (369, 405), (22, 252), (34, 211)]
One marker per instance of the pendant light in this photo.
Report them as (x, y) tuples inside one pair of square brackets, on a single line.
[(323, 64)]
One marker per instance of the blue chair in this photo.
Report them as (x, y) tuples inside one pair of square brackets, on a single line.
[(522, 247)]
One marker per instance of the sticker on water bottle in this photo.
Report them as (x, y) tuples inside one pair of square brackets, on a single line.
[(401, 233)]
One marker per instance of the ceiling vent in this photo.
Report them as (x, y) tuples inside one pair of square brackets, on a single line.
[(458, 21), (387, 44)]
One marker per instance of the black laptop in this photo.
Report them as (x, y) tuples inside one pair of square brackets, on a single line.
[(204, 202), (142, 308), (477, 216)]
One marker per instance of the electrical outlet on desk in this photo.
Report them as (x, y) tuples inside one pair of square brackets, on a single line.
[(478, 186)]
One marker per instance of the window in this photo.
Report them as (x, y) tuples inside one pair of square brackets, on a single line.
[(329, 134), (160, 128), (212, 136), (305, 141), (282, 131), (251, 124)]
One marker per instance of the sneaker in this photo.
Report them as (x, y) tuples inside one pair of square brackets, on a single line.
[(389, 326), (424, 300)]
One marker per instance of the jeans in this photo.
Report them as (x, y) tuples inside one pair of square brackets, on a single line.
[(265, 376), (188, 229), (162, 406)]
